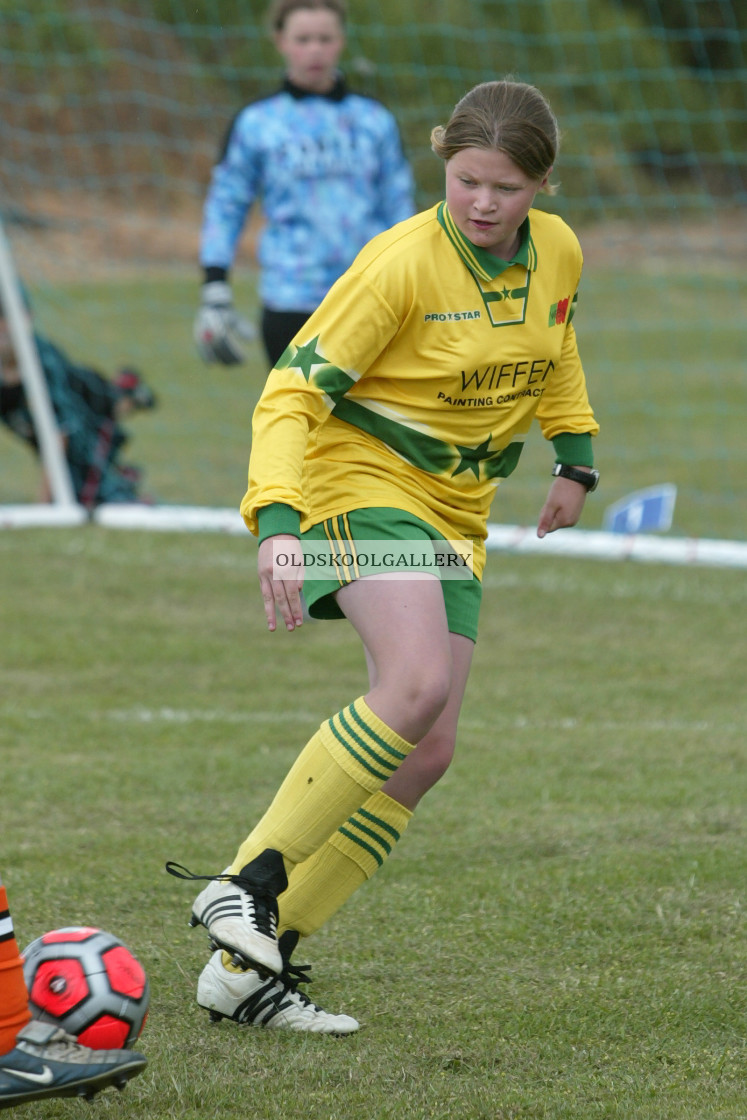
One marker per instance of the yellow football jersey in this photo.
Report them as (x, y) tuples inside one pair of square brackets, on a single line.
[(416, 381)]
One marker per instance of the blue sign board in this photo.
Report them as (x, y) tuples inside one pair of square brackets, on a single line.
[(644, 511)]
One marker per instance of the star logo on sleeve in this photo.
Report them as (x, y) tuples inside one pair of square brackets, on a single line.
[(306, 358)]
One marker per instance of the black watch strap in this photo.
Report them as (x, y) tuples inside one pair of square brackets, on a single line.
[(589, 479)]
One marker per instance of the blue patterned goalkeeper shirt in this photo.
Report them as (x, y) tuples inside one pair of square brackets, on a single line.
[(330, 173)]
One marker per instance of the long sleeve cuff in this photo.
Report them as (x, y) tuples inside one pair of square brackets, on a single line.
[(213, 272), (573, 449), (278, 518)]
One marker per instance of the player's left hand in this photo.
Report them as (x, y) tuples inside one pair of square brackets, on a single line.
[(563, 507)]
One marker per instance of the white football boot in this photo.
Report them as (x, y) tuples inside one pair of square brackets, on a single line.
[(240, 912), (248, 999)]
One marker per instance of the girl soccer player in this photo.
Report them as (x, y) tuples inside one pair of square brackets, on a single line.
[(392, 418)]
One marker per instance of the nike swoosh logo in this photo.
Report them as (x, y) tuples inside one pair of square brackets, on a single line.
[(44, 1078)]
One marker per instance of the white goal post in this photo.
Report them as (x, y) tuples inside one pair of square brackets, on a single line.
[(32, 375)]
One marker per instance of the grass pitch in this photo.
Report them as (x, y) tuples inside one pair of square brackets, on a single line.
[(560, 934)]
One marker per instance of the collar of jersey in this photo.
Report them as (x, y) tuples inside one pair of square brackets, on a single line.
[(483, 264), (337, 93)]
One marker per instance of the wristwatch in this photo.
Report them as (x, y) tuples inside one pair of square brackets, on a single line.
[(589, 479)]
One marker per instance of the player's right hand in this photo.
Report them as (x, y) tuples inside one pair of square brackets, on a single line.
[(218, 329), (281, 592)]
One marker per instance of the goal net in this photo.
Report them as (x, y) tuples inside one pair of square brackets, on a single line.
[(111, 118)]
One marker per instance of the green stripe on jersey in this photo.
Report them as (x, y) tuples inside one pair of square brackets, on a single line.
[(426, 452)]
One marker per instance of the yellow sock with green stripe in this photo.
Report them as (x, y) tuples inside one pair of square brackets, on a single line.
[(320, 885), (350, 756)]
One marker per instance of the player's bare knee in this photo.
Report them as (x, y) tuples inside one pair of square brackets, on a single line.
[(423, 693)]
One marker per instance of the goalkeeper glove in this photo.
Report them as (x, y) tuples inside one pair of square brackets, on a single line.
[(218, 329)]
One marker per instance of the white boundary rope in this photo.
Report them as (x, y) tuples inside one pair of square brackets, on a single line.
[(42, 516), (581, 543), (619, 546)]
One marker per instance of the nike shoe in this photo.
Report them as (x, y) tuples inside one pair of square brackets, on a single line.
[(246, 998), (47, 1062), (240, 912)]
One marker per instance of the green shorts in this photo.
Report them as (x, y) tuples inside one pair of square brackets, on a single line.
[(462, 597)]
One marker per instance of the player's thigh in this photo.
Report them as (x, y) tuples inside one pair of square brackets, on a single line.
[(401, 622)]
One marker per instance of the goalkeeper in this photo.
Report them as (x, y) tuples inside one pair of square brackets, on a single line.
[(328, 166)]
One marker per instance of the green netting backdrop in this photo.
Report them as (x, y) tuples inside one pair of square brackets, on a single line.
[(111, 116)]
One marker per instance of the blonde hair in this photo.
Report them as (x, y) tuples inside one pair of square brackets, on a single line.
[(279, 11), (503, 116)]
